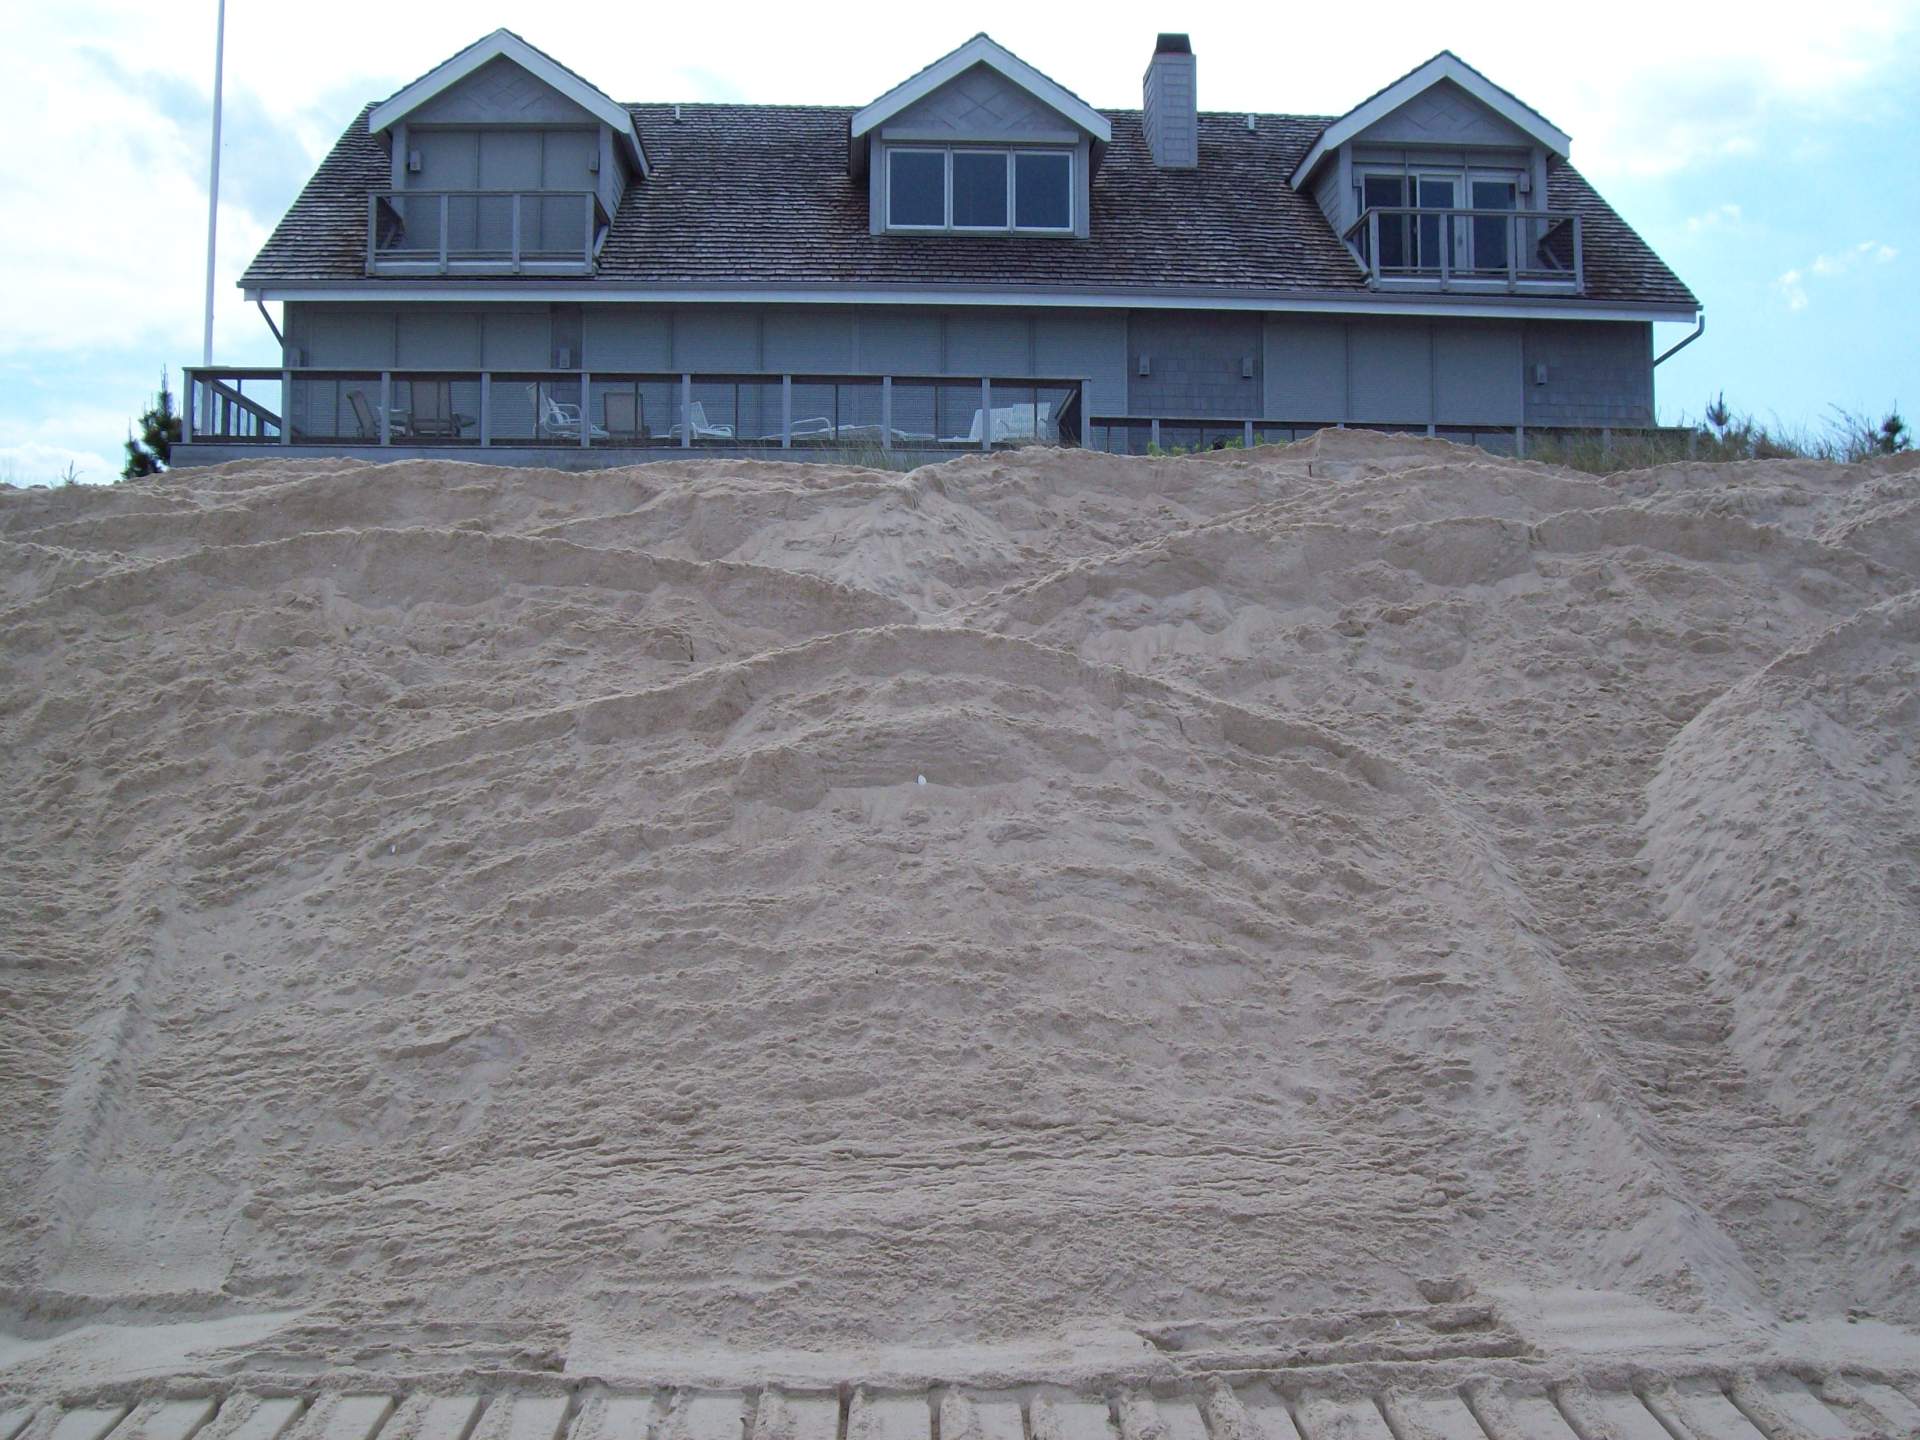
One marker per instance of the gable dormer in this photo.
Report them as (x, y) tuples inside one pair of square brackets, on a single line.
[(502, 160), (978, 143), (1440, 181)]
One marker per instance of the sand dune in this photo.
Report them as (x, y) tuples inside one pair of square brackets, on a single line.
[(754, 905)]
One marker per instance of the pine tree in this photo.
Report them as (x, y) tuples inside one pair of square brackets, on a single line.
[(159, 429)]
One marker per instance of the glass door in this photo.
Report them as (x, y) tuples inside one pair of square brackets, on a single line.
[(1387, 192), (1493, 235), (1436, 192)]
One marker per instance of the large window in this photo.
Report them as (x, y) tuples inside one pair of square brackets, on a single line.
[(979, 190), (1412, 241), (917, 188)]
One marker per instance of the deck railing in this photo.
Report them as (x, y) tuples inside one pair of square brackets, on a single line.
[(1514, 250), (482, 232), (495, 409), (1162, 435)]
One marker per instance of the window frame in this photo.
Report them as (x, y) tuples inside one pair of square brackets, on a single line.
[(946, 188), (1013, 192), (1006, 175), (1012, 153)]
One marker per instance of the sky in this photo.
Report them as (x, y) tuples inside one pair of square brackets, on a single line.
[(1765, 151)]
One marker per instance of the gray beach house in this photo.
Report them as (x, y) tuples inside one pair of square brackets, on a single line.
[(501, 256)]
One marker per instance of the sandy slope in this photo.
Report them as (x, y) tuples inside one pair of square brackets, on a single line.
[(506, 898)]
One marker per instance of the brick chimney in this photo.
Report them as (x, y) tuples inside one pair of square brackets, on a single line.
[(1172, 104)]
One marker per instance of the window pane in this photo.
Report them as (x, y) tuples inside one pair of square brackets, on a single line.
[(1043, 191), (1382, 190), (1491, 236), (917, 187), (979, 189)]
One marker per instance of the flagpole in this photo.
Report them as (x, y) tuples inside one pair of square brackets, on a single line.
[(213, 178)]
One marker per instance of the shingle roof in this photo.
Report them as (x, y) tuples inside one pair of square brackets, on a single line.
[(760, 195)]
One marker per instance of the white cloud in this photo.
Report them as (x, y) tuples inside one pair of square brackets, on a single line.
[(1720, 217), (36, 464), (1793, 284)]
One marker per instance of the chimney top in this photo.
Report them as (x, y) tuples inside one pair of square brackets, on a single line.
[(1172, 44)]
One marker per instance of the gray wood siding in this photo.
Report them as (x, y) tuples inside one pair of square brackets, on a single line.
[(979, 104), (1195, 362), (1093, 347), (1390, 375), (1476, 373), (628, 338), (500, 92), (1305, 369), (1356, 370), (439, 337), (716, 338), (1597, 373), (897, 342), (809, 340), (990, 343), (1444, 114)]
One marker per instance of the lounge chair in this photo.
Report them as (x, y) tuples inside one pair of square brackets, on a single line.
[(366, 418), (559, 420), (1010, 423), (432, 412), (701, 429)]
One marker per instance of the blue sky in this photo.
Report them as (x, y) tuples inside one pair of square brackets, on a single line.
[(1766, 157)]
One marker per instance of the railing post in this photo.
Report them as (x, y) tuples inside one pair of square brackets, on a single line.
[(386, 406), (516, 230), (586, 232), (186, 408), (1579, 271), (786, 412), (686, 411), (1520, 442), (886, 412), (1373, 247), (1445, 226), (1153, 432), (1247, 436), (1513, 252), (373, 230), (986, 413), (586, 408), (486, 409), (443, 232), (286, 407)]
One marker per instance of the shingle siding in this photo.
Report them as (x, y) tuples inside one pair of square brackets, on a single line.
[(1595, 374)]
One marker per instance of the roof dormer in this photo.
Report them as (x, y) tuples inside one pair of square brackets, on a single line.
[(978, 143)]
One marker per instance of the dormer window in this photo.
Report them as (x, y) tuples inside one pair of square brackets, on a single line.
[(974, 190)]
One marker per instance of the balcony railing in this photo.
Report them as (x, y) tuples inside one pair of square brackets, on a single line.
[(1514, 250), (482, 232), (497, 409)]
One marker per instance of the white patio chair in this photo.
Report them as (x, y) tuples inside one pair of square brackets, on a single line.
[(697, 412), (559, 420)]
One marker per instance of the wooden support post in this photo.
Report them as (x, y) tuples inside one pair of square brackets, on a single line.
[(986, 413), (586, 408), (516, 229), (443, 232), (686, 411), (886, 412), (286, 407), (486, 409), (386, 407), (786, 412)]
